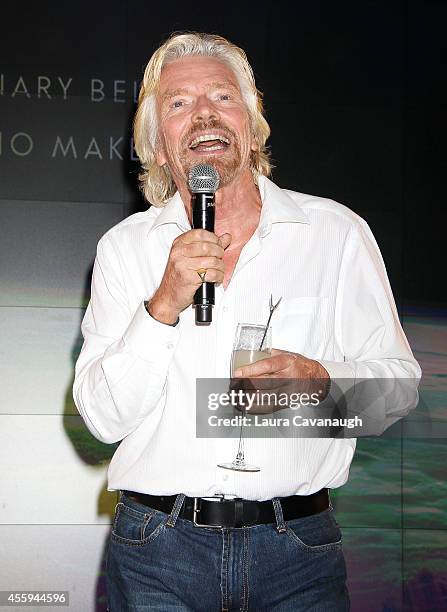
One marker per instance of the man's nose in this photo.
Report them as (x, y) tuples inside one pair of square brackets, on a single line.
[(204, 109)]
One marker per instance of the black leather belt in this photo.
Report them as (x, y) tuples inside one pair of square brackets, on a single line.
[(227, 513)]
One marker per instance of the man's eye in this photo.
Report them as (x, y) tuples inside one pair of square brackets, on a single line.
[(178, 104), (225, 97)]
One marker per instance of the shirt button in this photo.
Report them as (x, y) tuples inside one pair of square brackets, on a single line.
[(170, 345), (225, 308), (225, 477)]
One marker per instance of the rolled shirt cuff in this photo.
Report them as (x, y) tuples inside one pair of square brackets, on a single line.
[(342, 378), (150, 339)]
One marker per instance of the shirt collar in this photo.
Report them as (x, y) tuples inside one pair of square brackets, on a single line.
[(173, 213), (277, 207)]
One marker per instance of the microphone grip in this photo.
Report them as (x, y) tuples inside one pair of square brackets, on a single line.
[(203, 218)]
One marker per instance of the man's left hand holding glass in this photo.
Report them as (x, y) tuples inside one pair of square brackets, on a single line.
[(283, 372)]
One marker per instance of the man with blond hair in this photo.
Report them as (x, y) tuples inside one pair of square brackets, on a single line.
[(188, 534)]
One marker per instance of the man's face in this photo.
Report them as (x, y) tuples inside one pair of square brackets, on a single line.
[(202, 119)]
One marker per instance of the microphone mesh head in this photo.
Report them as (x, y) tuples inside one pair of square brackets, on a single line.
[(203, 178)]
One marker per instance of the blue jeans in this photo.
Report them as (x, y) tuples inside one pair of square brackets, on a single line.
[(157, 561)]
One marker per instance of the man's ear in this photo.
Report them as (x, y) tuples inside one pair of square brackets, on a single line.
[(160, 156), (254, 144)]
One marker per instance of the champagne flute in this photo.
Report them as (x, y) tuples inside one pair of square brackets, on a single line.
[(252, 343)]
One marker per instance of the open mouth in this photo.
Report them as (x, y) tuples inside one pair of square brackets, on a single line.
[(209, 142)]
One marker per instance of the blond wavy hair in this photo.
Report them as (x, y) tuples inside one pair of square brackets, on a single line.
[(156, 182)]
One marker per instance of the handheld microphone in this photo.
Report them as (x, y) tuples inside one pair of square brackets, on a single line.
[(203, 182)]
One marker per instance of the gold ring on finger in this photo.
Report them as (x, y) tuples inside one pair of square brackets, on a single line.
[(202, 273)]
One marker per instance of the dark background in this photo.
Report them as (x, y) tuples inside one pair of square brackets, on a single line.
[(354, 93)]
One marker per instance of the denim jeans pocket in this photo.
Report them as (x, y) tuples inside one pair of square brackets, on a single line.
[(134, 528), (317, 533)]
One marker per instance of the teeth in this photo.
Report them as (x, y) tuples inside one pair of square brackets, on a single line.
[(206, 137), (215, 148)]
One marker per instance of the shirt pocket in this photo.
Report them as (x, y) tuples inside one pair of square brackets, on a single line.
[(300, 325)]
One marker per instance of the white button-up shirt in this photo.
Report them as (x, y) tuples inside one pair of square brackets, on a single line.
[(136, 378)]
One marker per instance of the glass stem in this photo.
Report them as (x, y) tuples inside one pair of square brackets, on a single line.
[(240, 459)]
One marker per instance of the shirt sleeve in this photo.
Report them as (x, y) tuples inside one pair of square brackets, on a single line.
[(370, 337), (367, 327), (121, 371)]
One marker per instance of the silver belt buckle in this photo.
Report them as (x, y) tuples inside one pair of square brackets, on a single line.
[(196, 510)]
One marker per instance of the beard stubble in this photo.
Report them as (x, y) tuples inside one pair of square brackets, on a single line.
[(226, 165)]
